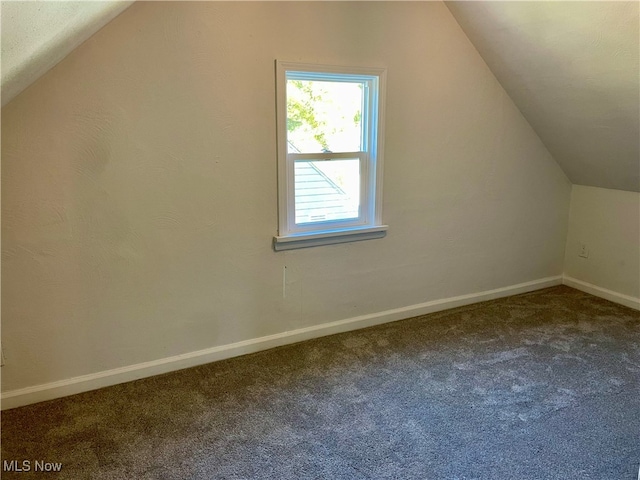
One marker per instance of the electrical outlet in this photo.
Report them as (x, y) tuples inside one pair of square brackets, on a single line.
[(584, 251)]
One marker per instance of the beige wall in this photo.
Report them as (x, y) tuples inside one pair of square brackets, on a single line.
[(139, 185), (607, 222)]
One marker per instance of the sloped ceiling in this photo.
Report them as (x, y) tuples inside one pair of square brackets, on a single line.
[(572, 69), (36, 35)]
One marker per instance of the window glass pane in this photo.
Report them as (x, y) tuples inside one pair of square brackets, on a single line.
[(324, 116), (327, 190)]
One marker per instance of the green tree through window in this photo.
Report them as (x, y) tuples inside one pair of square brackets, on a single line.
[(324, 116)]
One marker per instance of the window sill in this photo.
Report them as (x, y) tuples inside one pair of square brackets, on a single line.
[(328, 237)]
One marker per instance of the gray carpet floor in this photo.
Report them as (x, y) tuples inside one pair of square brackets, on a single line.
[(544, 385)]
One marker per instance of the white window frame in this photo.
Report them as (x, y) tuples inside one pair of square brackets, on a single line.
[(369, 224)]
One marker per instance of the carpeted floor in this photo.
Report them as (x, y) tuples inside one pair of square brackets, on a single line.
[(544, 385)]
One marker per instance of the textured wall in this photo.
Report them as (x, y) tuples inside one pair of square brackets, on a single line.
[(608, 223), (572, 70), (139, 185)]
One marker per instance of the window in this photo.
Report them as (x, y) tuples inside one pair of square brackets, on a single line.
[(330, 138)]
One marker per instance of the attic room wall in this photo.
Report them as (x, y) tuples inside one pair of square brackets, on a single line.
[(139, 186), (607, 222)]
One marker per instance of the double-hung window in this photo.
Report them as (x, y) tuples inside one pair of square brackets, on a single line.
[(330, 142)]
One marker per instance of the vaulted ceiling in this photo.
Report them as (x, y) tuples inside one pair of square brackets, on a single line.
[(36, 35), (572, 68)]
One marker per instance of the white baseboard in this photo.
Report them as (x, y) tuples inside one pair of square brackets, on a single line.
[(610, 295), (71, 386)]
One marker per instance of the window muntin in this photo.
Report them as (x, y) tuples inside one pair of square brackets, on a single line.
[(329, 149)]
